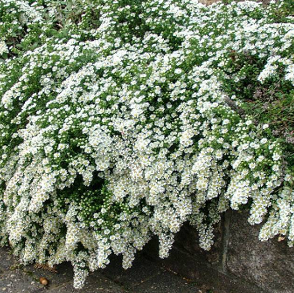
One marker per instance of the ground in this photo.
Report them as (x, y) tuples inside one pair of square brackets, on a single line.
[(145, 276)]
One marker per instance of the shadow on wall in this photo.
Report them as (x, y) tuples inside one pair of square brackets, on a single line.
[(238, 261)]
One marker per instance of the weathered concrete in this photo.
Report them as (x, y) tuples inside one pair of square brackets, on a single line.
[(18, 282), (267, 264), (142, 271), (201, 269), (238, 262)]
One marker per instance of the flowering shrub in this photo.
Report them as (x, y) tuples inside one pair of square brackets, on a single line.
[(121, 120)]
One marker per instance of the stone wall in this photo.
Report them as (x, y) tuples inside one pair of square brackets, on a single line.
[(267, 264), (237, 263)]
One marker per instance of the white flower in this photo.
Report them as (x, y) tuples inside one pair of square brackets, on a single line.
[(3, 48), (265, 126)]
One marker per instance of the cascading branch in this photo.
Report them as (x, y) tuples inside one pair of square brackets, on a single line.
[(116, 126)]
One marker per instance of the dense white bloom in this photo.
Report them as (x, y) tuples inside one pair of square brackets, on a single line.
[(3, 48), (115, 126)]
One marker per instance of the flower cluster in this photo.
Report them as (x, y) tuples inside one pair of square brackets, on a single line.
[(120, 121)]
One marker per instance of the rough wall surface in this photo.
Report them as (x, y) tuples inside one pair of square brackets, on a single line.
[(238, 262), (267, 264)]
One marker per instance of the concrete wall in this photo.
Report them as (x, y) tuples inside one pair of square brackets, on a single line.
[(269, 265), (238, 262)]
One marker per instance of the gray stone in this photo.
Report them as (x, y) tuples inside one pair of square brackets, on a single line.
[(63, 275), (267, 264), (7, 261), (166, 282), (95, 283), (188, 240), (196, 269), (141, 271), (18, 282)]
